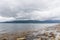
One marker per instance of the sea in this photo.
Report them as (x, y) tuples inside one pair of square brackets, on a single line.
[(14, 27)]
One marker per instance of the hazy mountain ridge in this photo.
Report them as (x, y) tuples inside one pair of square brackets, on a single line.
[(33, 21)]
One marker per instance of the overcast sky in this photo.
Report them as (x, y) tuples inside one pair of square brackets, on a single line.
[(29, 9)]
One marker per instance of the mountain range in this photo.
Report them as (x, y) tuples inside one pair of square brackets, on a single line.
[(33, 21)]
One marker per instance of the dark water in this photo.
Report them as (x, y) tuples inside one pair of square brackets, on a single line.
[(12, 27)]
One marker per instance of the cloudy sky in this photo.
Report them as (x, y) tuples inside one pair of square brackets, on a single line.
[(29, 9)]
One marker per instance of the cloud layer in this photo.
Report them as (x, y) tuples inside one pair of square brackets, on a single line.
[(30, 9)]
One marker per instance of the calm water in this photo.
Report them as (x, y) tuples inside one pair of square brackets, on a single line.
[(11, 27)]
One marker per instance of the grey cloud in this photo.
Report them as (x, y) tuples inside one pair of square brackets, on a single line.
[(26, 6), (24, 9)]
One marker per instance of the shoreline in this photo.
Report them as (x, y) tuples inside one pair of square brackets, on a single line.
[(45, 33)]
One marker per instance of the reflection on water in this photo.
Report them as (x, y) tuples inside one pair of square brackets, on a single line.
[(5, 27)]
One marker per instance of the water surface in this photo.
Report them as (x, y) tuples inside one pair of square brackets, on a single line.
[(13, 27)]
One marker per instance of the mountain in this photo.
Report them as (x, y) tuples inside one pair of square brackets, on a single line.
[(33, 21)]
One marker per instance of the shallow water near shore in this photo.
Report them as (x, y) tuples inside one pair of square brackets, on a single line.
[(13, 27)]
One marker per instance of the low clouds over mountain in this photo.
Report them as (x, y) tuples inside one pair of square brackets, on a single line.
[(30, 9)]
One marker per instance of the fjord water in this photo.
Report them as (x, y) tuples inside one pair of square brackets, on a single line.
[(13, 27)]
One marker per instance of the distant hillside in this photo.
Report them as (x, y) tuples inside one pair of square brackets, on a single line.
[(33, 21)]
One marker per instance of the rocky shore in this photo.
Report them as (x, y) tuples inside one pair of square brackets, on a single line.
[(48, 33)]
